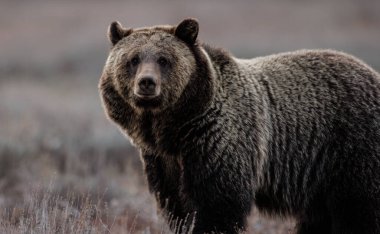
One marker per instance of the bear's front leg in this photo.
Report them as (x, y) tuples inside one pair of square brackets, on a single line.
[(164, 182), (221, 192)]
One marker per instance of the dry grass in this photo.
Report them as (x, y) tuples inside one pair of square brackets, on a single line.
[(47, 212), (64, 168)]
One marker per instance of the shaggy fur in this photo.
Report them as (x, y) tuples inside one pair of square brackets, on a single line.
[(297, 133)]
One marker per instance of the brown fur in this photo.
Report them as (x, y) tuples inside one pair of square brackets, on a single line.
[(297, 133)]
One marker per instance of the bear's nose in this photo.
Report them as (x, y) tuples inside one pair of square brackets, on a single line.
[(147, 85)]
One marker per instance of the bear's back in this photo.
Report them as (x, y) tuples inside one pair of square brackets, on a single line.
[(311, 84), (322, 111)]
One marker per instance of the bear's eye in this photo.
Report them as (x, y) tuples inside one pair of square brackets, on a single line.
[(163, 62), (135, 61)]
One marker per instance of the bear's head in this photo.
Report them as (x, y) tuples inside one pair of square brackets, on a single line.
[(151, 67)]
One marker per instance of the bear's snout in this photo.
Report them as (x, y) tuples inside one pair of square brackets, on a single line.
[(148, 81), (147, 86)]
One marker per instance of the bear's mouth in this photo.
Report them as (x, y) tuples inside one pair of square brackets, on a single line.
[(147, 101), (145, 96)]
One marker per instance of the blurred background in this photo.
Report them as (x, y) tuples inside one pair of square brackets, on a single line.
[(64, 168)]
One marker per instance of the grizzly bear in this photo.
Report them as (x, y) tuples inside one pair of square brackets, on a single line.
[(297, 133)]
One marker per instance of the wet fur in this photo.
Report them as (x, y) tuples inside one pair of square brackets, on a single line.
[(295, 133)]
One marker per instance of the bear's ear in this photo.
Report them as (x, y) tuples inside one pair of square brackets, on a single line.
[(187, 30), (116, 32)]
